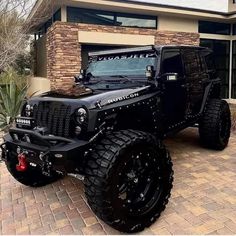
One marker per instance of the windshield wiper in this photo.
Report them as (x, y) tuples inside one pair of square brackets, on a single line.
[(119, 76)]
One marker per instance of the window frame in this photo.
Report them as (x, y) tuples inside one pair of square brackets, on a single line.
[(46, 25), (212, 23), (115, 15), (58, 12), (225, 87)]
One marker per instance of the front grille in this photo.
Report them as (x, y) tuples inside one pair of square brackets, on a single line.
[(54, 116)]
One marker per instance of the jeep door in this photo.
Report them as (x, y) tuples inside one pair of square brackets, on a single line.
[(174, 89), (196, 78)]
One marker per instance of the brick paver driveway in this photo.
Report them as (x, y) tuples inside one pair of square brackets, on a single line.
[(203, 198)]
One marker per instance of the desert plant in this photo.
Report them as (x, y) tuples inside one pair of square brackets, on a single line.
[(11, 100), (12, 75)]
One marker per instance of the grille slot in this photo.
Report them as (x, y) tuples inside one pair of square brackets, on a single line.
[(54, 116)]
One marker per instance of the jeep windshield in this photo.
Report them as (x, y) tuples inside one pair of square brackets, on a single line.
[(119, 71), (123, 65)]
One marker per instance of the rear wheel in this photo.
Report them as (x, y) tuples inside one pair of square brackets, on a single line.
[(215, 126), (32, 176), (129, 180)]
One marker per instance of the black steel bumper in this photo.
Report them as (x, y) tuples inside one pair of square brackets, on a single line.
[(40, 149)]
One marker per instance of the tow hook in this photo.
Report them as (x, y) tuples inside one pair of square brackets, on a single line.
[(22, 165)]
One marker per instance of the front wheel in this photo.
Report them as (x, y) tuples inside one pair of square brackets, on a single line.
[(128, 180), (215, 125)]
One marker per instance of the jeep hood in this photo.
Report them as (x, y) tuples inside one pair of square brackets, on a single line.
[(91, 101)]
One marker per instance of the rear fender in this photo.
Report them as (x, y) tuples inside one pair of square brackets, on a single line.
[(212, 90)]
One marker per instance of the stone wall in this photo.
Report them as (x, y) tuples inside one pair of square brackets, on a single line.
[(63, 55), (64, 50)]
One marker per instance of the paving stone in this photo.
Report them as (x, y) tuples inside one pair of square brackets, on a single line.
[(203, 197), (66, 230), (93, 230), (60, 216), (161, 231), (231, 226), (47, 219), (225, 231), (90, 221)]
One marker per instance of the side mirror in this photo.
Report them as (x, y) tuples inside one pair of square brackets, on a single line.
[(170, 76), (150, 72), (81, 77)]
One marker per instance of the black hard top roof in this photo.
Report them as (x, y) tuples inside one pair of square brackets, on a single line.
[(143, 49)]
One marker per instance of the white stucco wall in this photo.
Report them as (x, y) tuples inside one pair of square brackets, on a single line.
[(211, 5)]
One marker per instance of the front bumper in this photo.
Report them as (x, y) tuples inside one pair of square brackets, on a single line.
[(61, 152)]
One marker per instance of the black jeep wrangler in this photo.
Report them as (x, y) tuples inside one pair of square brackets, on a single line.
[(110, 135)]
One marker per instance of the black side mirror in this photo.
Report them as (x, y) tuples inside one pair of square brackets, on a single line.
[(150, 72), (81, 77), (170, 77)]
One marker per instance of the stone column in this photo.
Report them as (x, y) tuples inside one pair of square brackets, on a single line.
[(63, 55)]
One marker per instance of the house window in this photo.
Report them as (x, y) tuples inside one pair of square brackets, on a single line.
[(234, 71), (209, 27), (57, 16), (234, 28), (136, 21), (47, 25), (44, 28), (89, 16), (221, 52)]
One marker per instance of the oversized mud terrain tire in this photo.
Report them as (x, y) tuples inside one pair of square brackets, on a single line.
[(31, 177), (128, 180), (215, 125)]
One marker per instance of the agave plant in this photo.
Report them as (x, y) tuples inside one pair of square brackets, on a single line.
[(11, 100)]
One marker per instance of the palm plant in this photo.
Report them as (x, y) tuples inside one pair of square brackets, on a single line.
[(11, 100)]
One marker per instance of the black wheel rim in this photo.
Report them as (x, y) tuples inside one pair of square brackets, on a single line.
[(138, 182)]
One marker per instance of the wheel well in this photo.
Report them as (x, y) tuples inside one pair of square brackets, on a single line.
[(133, 118), (216, 90)]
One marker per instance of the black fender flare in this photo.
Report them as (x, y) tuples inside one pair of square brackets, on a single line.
[(208, 92)]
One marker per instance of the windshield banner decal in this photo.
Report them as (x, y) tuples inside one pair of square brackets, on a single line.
[(124, 56)]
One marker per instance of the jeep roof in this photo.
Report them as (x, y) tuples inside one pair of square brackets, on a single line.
[(143, 49)]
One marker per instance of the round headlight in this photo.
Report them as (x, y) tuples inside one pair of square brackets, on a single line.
[(28, 110), (81, 115)]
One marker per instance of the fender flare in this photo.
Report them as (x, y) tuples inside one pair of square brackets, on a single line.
[(207, 94)]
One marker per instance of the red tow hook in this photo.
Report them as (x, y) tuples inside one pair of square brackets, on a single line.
[(22, 165)]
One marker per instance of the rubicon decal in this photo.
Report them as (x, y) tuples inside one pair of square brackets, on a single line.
[(119, 99)]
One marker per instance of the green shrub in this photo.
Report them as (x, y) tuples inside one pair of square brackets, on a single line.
[(13, 90), (12, 75)]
